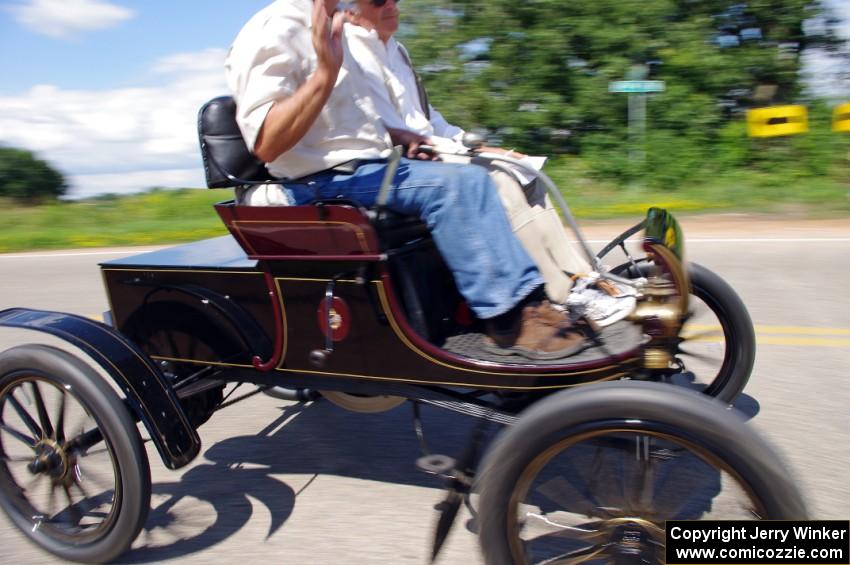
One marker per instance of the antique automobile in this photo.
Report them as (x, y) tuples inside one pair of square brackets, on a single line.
[(356, 306)]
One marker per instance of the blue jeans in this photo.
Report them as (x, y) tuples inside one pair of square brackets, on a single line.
[(461, 207)]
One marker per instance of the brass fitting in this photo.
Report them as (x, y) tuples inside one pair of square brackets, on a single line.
[(661, 318), (657, 358)]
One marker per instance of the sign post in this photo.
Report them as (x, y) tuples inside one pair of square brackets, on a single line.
[(637, 91)]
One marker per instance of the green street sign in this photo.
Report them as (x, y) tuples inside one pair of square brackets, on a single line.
[(636, 86)]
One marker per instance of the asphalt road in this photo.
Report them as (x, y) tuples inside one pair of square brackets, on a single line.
[(313, 484)]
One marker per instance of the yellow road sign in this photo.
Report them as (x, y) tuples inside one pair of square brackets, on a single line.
[(777, 121), (841, 118)]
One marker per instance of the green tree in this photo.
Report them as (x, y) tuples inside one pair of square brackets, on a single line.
[(536, 73), (26, 178)]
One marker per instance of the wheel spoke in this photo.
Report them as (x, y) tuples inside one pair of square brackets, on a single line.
[(51, 501), (674, 512), (647, 475), (705, 335), (35, 480), (30, 441), (639, 484), (604, 456), (42, 410), (569, 493), (584, 534), (100, 481), (700, 356), (17, 459), (580, 535), (79, 484), (75, 513), (60, 420), (25, 416)]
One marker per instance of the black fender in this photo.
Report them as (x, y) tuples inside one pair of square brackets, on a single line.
[(148, 393), (212, 313)]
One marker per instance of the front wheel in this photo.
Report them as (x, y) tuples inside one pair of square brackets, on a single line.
[(717, 346), (74, 474), (592, 474)]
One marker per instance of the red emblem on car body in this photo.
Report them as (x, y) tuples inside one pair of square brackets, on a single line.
[(340, 318)]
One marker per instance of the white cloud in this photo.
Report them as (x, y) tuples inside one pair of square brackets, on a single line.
[(66, 18), (120, 140), (179, 63), (827, 75), (841, 9)]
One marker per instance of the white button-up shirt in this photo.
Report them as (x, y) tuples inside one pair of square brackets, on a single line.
[(392, 87), (269, 60)]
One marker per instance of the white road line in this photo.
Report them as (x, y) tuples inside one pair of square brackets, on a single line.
[(75, 253)]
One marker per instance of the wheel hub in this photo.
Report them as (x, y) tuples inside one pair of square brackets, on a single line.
[(50, 458), (633, 539)]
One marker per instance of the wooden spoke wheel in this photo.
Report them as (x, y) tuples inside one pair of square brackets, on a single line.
[(74, 475)]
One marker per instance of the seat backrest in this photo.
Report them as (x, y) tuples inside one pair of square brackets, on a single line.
[(227, 160)]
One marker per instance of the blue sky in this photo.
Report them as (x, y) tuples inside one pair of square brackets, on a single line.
[(104, 45), (108, 90)]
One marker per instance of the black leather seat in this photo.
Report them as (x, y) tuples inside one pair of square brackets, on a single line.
[(227, 160)]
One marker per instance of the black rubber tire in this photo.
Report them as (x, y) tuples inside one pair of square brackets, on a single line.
[(637, 406), (740, 339), (130, 463), (737, 328)]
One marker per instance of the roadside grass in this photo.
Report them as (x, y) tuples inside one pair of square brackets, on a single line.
[(173, 216), (160, 216), (740, 191)]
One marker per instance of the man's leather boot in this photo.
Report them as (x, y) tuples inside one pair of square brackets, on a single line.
[(540, 332)]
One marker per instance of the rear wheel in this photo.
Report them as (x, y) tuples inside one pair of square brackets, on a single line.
[(591, 475), (362, 402), (74, 474), (179, 340)]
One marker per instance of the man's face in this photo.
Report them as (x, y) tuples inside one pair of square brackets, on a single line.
[(383, 19)]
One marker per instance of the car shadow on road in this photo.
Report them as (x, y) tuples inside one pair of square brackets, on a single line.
[(213, 501), (745, 405)]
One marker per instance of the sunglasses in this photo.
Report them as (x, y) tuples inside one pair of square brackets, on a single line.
[(380, 3)]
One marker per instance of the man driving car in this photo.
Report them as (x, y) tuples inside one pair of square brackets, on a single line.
[(402, 103)]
